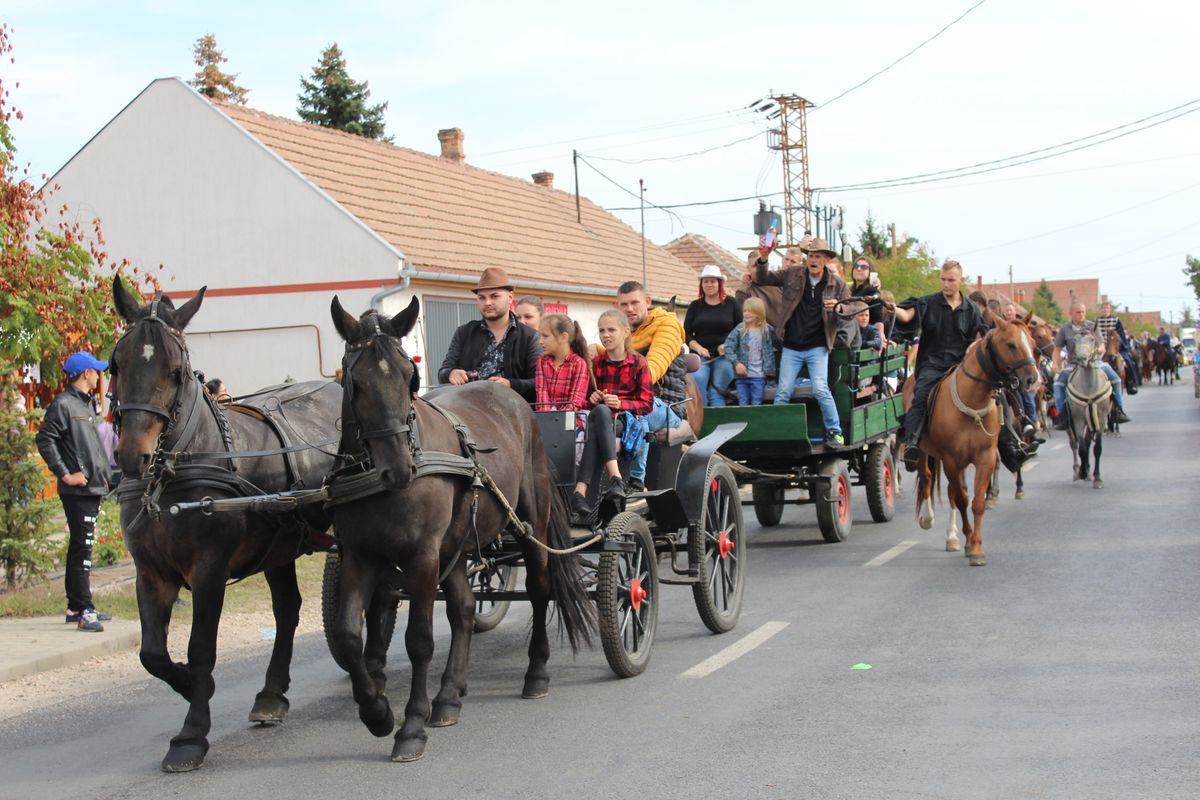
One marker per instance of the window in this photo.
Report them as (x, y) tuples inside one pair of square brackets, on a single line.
[(442, 318)]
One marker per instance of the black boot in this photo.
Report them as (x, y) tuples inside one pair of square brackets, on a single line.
[(1060, 422), (1122, 417)]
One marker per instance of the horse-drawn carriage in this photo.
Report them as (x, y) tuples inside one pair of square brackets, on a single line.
[(783, 448)]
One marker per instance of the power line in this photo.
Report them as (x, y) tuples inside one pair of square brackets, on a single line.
[(704, 202), (754, 135), (640, 197), (972, 169), (901, 58)]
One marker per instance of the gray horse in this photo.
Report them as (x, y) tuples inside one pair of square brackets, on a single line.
[(1089, 400)]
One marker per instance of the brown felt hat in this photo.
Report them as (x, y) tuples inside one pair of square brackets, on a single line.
[(821, 246), (493, 278)]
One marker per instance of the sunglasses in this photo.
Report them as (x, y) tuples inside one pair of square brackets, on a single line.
[(862, 266)]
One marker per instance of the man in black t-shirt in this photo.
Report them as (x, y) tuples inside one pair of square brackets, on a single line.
[(948, 323)]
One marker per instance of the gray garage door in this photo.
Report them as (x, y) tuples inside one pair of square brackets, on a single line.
[(442, 318)]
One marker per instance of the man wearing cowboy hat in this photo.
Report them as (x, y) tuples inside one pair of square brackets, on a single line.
[(70, 445), (495, 348), (808, 322)]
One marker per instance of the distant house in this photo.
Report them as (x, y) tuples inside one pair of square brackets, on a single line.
[(1065, 292), (276, 216), (699, 251)]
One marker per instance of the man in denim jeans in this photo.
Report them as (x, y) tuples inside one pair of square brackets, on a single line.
[(808, 323)]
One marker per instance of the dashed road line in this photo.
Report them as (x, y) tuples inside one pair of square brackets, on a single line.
[(890, 553), (1029, 466), (736, 650), (1058, 446)]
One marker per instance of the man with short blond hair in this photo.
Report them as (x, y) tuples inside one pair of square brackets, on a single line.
[(1078, 325)]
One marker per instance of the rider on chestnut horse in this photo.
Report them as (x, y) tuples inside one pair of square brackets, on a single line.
[(1108, 321)]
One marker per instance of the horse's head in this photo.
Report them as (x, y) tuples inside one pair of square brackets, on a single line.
[(379, 383), (149, 366), (1012, 350), (1041, 331), (1086, 348)]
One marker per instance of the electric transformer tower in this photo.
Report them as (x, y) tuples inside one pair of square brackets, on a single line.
[(791, 140)]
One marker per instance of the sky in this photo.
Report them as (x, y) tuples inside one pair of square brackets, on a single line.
[(528, 82)]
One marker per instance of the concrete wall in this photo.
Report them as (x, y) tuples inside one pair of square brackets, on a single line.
[(175, 182)]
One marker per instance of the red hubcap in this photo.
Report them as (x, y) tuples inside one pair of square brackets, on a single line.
[(636, 594), (888, 481), (724, 544), (843, 499)]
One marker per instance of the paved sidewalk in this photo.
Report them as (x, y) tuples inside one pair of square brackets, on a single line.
[(34, 644)]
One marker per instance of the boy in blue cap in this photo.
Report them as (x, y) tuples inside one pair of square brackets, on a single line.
[(70, 445)]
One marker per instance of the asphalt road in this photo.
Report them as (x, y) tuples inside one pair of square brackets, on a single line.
[(1066, 668)]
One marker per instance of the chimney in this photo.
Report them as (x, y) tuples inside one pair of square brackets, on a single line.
[(544, 178), (452, 145)]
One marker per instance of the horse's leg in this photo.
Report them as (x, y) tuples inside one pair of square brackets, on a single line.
[(421, 576), (190, 745), (956, 492), (156, 597), (1096, 448), (975, 555), (924, 495), (359, 576), (271, 704), (379, 612), (1020, 495), (1085, 441), (460, 611), (1073, 440)]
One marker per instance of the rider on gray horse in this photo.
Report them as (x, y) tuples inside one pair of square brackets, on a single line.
[(1065, 338)]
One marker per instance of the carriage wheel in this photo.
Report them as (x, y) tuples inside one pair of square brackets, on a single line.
[(833, 515), (627, 596), (489, 611), (768, 503), (881, 482), (331, 587), (718, 552)]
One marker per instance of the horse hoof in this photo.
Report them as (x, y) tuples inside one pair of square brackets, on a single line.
[(409, 749), (379, 722), (185, 757), (444, 715), (953, 545), (925, 522), (1097, 484), (978, 560), (991, 502), (536, 689), (1020, 495), (269, 709)]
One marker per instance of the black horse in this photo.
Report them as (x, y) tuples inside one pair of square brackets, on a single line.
[(171, 439), (448, 480)]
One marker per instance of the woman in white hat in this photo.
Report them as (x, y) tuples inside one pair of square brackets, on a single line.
[(709, 319)]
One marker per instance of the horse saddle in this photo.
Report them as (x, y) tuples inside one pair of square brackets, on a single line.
[(283, 408), (1088, 384)]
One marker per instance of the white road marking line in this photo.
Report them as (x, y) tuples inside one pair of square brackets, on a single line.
[(1058, 446), (1028, 466), (736, 650), (889, 554)]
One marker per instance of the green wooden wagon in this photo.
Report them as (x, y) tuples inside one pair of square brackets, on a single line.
[(782, 448)]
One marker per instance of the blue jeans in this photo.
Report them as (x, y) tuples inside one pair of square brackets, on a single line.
[(1060, 387), (714, 378), (750, 391), (1030, 406), (816, 359), (660, 416)]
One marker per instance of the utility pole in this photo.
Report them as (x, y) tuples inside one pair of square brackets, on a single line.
[(892, 230), (575, 163), (1012, 290), (791, 139), (642, 204)]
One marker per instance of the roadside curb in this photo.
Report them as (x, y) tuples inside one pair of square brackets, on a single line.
[(37, 644)]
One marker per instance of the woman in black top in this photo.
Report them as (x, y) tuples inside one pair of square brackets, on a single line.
[(709, 319), (862, 286)]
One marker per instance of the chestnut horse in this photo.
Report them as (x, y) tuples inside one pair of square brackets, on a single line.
[(964, 424)]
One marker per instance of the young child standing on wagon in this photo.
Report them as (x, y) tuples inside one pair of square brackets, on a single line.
[(751, 347)]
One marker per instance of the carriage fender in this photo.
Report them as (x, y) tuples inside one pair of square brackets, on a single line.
[(691, 478)]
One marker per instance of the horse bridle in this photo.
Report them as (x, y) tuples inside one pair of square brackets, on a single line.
[(987, 360), (375, 341), (169, 417)]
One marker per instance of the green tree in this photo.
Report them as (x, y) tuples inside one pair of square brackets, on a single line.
[(332, 99), (26, 550), (211, 81), (872, 240), (1045, 306), (912, 273), (1186, 319), (1192, 272)]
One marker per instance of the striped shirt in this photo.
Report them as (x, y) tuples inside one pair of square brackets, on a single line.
[(562, 388)]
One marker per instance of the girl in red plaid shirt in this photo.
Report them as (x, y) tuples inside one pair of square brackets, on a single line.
[(562, 379)]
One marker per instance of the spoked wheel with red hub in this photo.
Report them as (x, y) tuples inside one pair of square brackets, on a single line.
[(627, 596), (718, 552), (880, 479), (833, 512)]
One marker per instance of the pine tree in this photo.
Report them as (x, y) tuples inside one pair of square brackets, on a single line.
[(332, 99), (210, 81), (871, 240), (1045, 306)]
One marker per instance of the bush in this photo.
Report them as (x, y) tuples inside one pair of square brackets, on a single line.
[(109, 547), (26, 550)]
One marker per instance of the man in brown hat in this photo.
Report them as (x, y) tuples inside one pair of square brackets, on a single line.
[(497, 347), (808, 323)]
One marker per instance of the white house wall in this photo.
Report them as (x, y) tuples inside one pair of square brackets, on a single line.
[(175, 182)]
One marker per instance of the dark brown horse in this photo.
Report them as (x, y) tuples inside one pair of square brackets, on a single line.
[(453, 473), (964, 423), (171, 439)]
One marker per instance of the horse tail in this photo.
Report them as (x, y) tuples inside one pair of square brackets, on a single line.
[(576, 611)]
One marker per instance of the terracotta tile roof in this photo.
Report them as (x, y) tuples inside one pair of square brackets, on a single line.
[(453, 217), (698, 252), (1085, 289)]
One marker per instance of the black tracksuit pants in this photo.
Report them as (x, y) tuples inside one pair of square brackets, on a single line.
[(81, 511)]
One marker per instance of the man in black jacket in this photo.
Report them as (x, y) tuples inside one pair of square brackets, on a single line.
[(70, 444), (497, 347)]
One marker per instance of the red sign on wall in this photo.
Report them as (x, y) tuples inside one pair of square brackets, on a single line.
[(555, 308)]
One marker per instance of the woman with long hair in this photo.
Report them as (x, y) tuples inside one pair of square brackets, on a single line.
[(709, 319), (864, 284)]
